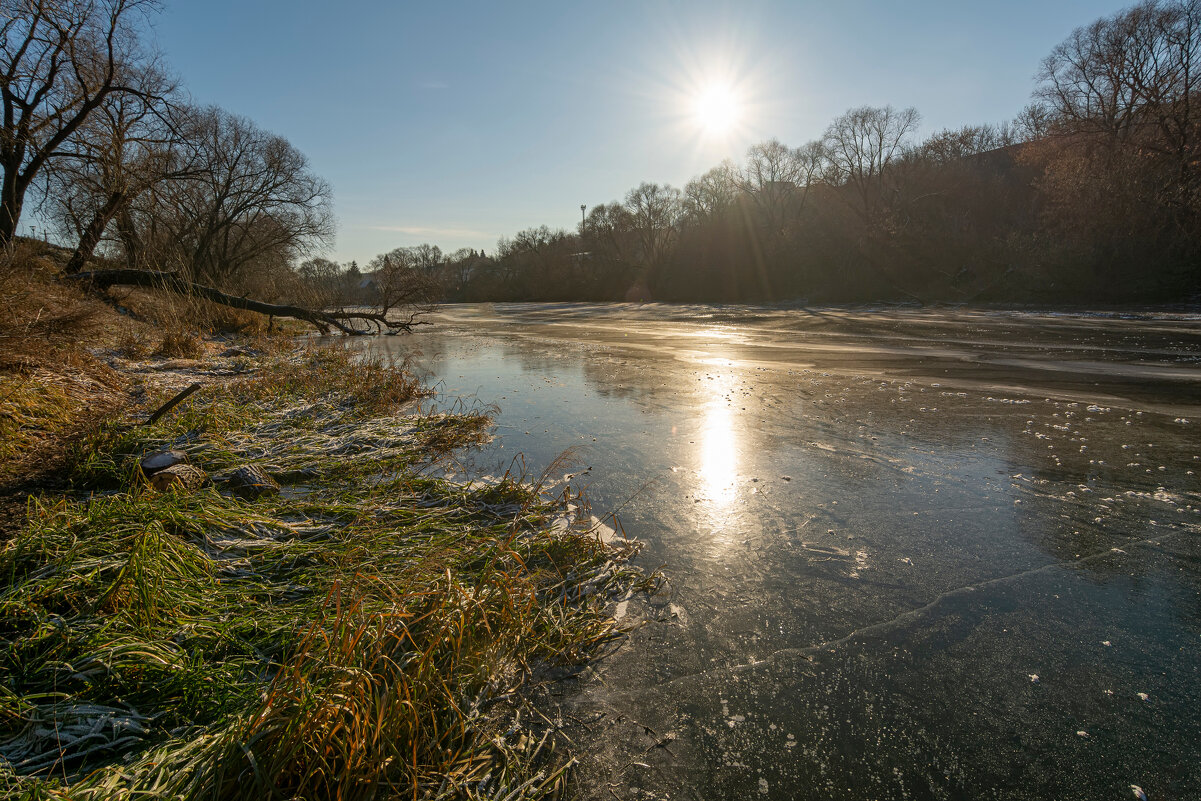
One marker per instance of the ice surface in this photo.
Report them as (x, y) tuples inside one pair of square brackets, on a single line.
[(989, 540)]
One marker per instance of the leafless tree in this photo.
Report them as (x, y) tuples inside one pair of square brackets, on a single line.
[(324, 282), (130, 144), (712, 193), (1130, 82), (398, 285), (426, 257), (539, 262), (948, 146), (862, 145), (1032, 122), (60, 60), (459, 268), (654, 211), (254, 204), (769, 164), (1109, 76), (608, 231), (778, 179)]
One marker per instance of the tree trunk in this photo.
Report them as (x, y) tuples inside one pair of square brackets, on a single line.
[(91, 234), (129, 238), (10, 206)]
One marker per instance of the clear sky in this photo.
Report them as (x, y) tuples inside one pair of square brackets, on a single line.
[(456, 122)]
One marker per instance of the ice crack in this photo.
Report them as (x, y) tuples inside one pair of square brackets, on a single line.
[(918, 612)]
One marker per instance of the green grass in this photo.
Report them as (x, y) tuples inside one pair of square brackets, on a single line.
[(341, 640)]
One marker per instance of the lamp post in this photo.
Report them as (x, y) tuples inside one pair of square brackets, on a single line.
[(582, 207)]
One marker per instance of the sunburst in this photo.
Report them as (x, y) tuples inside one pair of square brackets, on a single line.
[(716, 108)]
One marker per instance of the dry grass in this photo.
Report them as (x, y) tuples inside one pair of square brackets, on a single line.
[(343, 641), (174, 312), (37, 311), (39, 406), (132, 342), (51, 388), (180, 344), (372, 386)]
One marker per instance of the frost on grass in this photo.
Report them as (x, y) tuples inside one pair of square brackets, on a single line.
[(348, 635)]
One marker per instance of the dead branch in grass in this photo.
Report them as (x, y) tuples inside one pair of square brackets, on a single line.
[(342, 319)]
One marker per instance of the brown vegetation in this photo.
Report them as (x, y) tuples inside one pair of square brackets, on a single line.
[(51, 387), (54, 386)]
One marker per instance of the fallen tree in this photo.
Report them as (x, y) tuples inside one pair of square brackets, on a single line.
[(342, 319)]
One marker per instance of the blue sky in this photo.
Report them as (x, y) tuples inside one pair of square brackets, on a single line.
[(455, 123)]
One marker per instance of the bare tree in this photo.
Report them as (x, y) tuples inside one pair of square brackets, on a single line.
[(862, 145), (426, 257), (1131, 82), (1093, 80), (778, 179), (128, 145), (538, 262), (60, 60), (654, 211), (323, 281), (712, 193), (813, 163), (768, 165), (1032, 122), (254, 205), (608, 231), (459, 268), (399, 285), (949, 145)]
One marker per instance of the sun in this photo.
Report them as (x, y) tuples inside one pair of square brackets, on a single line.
[(716, 109)]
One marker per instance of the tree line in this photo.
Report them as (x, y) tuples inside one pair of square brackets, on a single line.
[(1090, 194)]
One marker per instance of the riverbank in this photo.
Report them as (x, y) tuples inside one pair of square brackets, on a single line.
[(348, 635)]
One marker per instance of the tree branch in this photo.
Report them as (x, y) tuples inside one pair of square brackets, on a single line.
[(322, 320)]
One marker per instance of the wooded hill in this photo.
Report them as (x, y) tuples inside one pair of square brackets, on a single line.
[(1090, 195)]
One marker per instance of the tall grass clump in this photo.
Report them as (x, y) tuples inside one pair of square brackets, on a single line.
[(344, 639)]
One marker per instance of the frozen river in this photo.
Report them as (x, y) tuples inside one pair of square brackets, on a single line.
[(910, 553)]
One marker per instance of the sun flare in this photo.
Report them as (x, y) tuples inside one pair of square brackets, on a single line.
[(716, 109)]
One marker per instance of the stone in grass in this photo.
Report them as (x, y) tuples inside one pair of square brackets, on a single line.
[(251, 482), (179, 477), (161, 460)]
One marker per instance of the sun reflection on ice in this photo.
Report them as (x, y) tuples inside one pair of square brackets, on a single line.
[(719, 446)]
